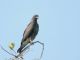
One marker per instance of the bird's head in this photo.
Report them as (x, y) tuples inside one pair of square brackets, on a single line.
[(35, 17)]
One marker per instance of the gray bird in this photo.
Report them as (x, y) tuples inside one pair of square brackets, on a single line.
[(30, 33)]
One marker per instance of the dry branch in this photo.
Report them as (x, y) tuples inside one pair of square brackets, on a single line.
[(19, 56)]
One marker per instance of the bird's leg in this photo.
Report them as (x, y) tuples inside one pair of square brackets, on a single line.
[(30, 41)]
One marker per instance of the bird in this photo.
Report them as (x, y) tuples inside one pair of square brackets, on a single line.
[(30, 33)]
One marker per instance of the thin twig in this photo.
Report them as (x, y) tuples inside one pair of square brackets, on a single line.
[(42, 48), (20, 55), (33, 44), (7, 51), (14, 51)]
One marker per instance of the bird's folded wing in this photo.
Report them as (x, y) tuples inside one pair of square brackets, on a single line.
[(28, 31)]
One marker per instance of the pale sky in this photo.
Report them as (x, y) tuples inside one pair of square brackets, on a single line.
[(59, 22)]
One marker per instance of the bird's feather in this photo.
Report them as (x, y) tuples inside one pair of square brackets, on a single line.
[(29, 33)]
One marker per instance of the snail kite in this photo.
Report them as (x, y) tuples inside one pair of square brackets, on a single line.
[(30, 33)]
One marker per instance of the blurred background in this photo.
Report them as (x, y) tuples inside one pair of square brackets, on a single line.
[(59, 22)]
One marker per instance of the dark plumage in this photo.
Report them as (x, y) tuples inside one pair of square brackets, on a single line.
[(30, 33)]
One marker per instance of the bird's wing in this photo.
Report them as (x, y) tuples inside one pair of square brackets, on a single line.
[(28, 31)]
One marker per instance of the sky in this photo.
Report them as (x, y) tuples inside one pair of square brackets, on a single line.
[(59, 27)]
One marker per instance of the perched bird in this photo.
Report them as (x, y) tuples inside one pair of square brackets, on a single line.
[(30, 33)]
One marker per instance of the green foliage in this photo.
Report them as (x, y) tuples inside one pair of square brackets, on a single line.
[(11, 45)]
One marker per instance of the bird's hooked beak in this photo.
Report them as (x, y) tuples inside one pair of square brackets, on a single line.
[(36, 16)]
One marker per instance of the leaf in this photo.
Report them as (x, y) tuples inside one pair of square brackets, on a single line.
[(11, 45)]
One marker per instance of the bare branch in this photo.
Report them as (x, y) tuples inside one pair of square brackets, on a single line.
[(7, 51), (42, 48), (19, 56), (33, 44)]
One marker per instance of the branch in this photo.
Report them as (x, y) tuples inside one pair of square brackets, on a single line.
[(19, 56), (33, 44), (42, 48), (7, 51)]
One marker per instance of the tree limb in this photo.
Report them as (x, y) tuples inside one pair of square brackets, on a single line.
[(19, 56)]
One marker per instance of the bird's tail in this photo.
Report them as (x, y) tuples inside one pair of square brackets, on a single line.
[(19, 50)]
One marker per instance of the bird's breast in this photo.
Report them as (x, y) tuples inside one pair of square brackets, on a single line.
[(35, 31)]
